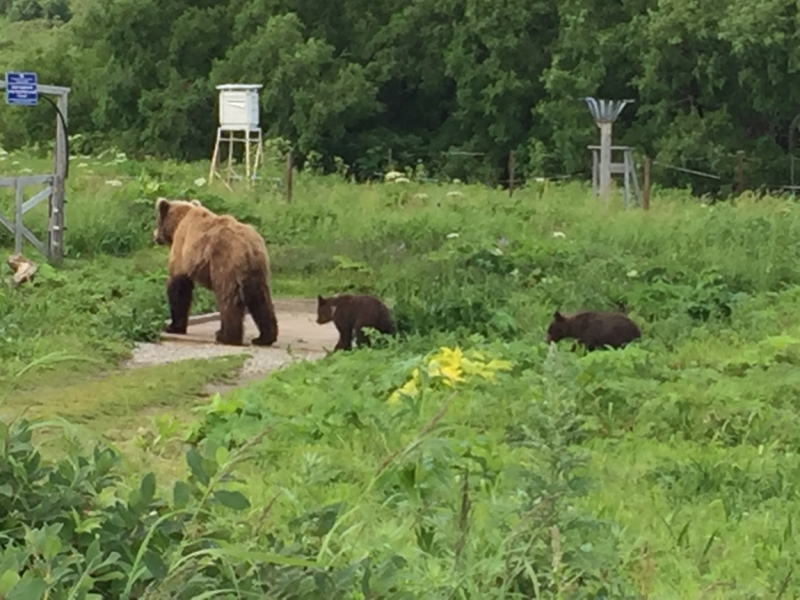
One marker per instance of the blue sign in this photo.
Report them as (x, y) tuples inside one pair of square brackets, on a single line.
[(22, 89)]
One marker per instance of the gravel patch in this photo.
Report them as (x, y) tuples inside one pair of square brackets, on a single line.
[(260, 362)]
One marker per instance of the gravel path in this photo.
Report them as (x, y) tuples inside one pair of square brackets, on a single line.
[(261, 361), (300, 338)]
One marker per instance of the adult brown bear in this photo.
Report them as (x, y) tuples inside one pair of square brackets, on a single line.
[(223, 255)]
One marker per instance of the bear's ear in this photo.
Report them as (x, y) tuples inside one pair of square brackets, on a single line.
[(162, 206), (320, 299), (558, 316), (195, 202)]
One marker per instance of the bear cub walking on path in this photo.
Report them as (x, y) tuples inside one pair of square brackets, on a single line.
[(352, 313), (223, 255), (593, 329)]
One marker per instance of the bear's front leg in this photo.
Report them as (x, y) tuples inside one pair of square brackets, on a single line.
[(179, 295), (345, 339)]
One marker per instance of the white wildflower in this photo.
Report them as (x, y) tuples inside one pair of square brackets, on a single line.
[(392, 175)]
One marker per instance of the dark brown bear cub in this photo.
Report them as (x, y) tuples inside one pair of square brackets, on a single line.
[(593, 329), (352, 313)]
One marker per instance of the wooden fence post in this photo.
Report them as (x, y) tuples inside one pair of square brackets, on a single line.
[(510, 173), (740, 172), (646, 184), (288, 176)]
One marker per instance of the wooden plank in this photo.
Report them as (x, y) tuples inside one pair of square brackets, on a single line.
[(207, 318), (190, 338), (36, 199), (26, 180), (280, 345), (298, 329), (284, 305), (6, 223), (617, 168), (33, 240)]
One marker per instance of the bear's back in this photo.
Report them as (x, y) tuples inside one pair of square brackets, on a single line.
[(366, 310), (204, 238), (596, 329)]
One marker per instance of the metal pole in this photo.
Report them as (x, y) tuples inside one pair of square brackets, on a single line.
[(605, 161)]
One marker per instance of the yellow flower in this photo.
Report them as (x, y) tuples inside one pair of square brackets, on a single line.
[(486, 370), (409, 388), (449, 365)]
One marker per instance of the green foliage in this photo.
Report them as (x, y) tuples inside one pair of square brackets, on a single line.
[(71, 529), (28, 10), (426, 81), (661, 470), (435, 477)]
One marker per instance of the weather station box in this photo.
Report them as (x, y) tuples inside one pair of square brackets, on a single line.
[(238, 106)]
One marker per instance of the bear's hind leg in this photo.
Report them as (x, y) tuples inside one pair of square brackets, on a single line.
[(361, 336), (179, 295), (259, 303), (231, 331)]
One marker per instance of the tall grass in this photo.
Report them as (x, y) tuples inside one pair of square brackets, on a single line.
[(664, 470)]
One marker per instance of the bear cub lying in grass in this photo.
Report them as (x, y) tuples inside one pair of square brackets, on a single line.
[(352, 313), (593, 329)]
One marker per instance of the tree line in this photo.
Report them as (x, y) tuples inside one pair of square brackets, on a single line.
[(454, 83)]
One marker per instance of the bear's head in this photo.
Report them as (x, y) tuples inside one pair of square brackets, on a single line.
[(325, 310), (559, 328), (169, 214)]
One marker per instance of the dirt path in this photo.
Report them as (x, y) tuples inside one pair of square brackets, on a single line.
[(299, 338)]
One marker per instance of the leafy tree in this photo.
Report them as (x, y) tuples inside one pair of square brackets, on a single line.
[(427, 80)]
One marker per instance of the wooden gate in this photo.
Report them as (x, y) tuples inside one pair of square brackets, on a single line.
[(52, 246)]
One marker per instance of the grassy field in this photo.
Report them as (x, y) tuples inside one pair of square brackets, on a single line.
[(467, 459)]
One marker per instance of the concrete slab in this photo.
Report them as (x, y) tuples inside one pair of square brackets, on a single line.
[(297, 328)]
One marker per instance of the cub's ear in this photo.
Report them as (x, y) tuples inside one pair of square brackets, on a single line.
[(162, 206), (320, 299), (558, 316), (195, 202)]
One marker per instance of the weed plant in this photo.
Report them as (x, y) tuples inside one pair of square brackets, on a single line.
[(664, 470)]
